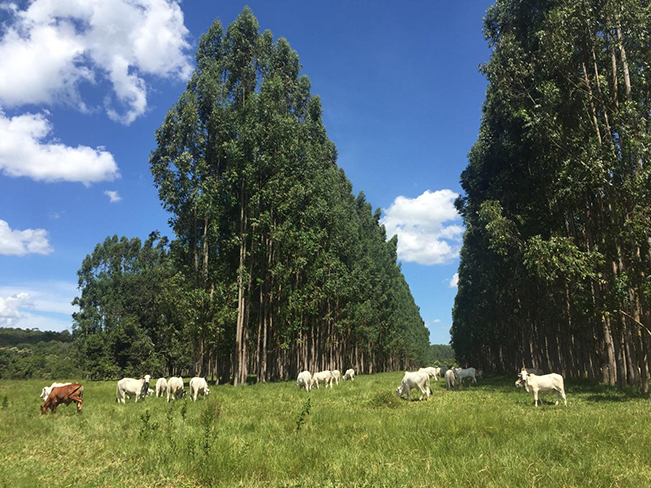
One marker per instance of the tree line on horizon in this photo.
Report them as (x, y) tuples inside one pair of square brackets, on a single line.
[(556, 256), (275, 266)]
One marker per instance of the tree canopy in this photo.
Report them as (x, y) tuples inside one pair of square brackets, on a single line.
[(556, 257), (276, 266)]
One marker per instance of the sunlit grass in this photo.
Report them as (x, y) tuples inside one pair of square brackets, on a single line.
[(357, 434)]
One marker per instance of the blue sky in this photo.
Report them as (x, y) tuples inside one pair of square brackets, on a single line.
[(85, 83)]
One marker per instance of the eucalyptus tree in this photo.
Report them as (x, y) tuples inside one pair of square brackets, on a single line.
[(266, 222), (556, 253)]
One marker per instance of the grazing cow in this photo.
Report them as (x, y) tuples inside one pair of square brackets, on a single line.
[(431, 372), (479, 374), (349, 375), (175, 388), (46, 389), (325, 376), (520, 384), (418, 379), (464, 373), (546, 383), (198, 386), (129, 387), (449, 380), (336, 375), (161, 387), (67, 394), (304, 380)]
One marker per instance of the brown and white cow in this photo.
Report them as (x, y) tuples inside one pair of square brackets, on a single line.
[(64, 394)]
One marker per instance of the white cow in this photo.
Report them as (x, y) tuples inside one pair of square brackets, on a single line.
[(418, 379), (546, 384), (47, 389), (449, 379), (431, 372), (129, 387), (198, 386), (461, 373), (336, 375), (151, 392), (349, 375), (304, 380), (161, 387), (175, 388), (520, 384), (325, 376)]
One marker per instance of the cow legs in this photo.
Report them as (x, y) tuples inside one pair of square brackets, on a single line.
[(535, 398)]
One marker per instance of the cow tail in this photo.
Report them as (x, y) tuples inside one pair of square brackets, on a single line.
[(117, 393)]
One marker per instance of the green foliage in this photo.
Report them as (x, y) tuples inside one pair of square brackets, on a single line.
[(557, 248), (302, 417), (147, 426), (274, 247), (36, 354), (440, 355), (134, 308)]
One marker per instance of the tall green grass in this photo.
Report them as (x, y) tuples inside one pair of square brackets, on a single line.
[(356, 434)]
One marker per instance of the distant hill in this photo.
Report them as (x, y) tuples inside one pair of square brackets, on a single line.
[(33, 353), (441, 353)]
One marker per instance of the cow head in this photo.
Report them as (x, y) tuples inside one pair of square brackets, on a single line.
[(523, 375), (401, 390), (207, 392), (44, 408)]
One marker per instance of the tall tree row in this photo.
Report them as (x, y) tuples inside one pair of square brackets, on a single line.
[(284, 268), (556, 258)]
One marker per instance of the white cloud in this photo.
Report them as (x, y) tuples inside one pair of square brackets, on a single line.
[(10, 308), (113, 196), (52, 47), (26, 150), (48, 305), (21, 242), (436, 321), (420, 223), (454, 282)]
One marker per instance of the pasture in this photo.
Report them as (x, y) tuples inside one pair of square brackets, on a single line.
[(357, 434)]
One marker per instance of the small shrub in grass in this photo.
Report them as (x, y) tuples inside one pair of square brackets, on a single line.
[(385, 399), (147, 426), (302, 416), (209, 416), (184, 410), (5, 402)]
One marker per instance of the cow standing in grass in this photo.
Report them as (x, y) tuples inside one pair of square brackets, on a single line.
[(418, 379), (324, 376), (175, 388), (67, 394), (198, 386), (461, 373), (161, 387), (129, 387), (450, 383), (304, 380), (546, 384), (349, 375), (336, 376)]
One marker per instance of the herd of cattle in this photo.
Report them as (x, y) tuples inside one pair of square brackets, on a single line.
[(531, 379)]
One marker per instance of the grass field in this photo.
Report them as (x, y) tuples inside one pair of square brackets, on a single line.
[(357, 434)]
